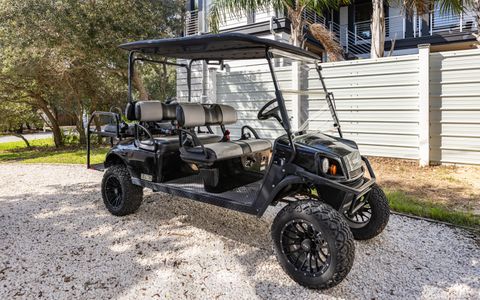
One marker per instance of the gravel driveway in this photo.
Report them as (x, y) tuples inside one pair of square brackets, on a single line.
[(58, 241)]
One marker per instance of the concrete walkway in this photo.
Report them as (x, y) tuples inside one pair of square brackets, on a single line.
[(30, 137)]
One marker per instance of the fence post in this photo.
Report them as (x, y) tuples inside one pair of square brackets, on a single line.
[(424, 103)]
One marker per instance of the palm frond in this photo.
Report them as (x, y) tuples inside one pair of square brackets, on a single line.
[(220, 9), (424, 6), (328, 40)]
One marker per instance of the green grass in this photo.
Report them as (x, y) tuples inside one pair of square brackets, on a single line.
[(400, 202), (21, 144), (43, 151)]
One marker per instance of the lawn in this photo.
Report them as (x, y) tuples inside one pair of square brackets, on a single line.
[(44, 151), (401, 202)]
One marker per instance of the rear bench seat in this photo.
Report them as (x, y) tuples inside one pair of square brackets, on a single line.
[(190, 115), (156, 111)]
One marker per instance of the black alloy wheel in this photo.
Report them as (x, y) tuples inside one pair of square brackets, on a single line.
[(305, 247)]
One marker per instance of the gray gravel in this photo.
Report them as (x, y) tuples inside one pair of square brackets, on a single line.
[(57, 241)]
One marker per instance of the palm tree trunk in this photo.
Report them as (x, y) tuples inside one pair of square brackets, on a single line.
[(378, 29), (476, 10)]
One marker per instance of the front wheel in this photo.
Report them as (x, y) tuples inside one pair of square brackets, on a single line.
[(313, 244), (371, 216), (120, 196)]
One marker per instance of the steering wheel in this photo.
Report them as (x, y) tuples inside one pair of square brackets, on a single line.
[(271, 113)]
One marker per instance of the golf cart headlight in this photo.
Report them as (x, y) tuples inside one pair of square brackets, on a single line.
[(325, 165)]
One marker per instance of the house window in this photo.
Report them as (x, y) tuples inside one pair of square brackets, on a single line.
[(193, 4), (362, 17)]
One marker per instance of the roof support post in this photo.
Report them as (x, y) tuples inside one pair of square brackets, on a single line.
[(424, 104), (281, 105), (296, 98), (131, 62)]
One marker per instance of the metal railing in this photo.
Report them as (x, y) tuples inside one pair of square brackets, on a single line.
[(435, 21), (191, 22), (352, 43)]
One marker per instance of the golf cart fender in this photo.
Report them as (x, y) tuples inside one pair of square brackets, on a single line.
[(284, 184), (115, 157)]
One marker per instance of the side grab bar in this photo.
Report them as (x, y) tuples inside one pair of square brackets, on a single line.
[(116, 134)]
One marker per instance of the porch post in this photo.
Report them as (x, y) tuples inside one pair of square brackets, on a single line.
[(212, 86), (424, 104)]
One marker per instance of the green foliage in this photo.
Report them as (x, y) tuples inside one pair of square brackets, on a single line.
[(62, 57), (43, 151), (220, 9), (14, 115)]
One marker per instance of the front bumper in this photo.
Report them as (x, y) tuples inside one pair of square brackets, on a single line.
[(358, 192)]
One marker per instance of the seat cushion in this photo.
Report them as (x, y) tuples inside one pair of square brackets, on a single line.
[(225, 150)]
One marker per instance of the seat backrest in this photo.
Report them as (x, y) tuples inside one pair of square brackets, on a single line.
[(194, 114), (149, 111)]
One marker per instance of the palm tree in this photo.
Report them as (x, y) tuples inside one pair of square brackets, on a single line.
[(476, 8), (411, 6), (294, 8)]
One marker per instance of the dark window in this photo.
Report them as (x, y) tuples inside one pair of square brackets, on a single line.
[(363, 12)]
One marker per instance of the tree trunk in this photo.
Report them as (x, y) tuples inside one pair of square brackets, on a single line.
[(476, 10), (81, 132), (23, 138), (138, 84), (296, 23), (56, 130), (378, 29)]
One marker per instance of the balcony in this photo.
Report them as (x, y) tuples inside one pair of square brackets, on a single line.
[(433, 23), (191, 23)]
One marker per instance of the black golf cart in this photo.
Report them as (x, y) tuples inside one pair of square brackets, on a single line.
[(185, 149)]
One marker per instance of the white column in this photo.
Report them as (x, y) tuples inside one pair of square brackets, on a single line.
[(424, 103), (296, 100), (212, 86)]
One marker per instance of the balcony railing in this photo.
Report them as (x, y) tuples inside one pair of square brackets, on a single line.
[(191, 22), (432, 23), (351, 42)]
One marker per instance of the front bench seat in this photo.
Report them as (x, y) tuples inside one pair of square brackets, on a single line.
[(190, 115)]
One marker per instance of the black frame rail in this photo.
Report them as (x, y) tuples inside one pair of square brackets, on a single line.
[(112, 135)]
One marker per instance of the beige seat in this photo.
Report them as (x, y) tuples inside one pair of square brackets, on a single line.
[(156, 111), (191, 115)]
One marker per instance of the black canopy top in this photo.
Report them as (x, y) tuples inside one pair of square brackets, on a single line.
[(215, 47)]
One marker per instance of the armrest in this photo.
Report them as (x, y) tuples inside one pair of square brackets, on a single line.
[(196, 141), (251, 130)]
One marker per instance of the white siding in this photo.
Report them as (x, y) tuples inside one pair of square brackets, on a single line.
[(247, 87), (377, 104), (455, 106), (376, 100), (197, 80)]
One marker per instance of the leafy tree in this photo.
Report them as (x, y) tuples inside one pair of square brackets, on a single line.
[(420, 6), (61, 56)]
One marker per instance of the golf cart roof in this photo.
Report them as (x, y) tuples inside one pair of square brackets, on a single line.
[(216, 47)]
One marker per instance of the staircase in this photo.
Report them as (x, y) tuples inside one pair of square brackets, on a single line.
[(354, 46)]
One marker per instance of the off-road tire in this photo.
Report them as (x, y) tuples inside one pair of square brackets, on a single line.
[(336, 233), (380, 215), (130, 195)]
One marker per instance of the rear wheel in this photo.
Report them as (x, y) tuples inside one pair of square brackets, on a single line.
[(120, 196), (371, 217), (313, 244)]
